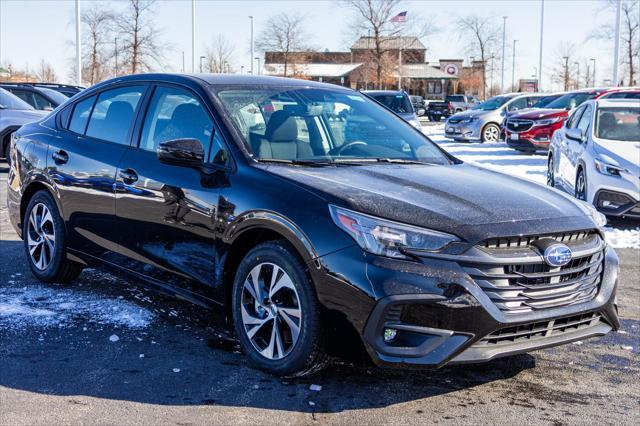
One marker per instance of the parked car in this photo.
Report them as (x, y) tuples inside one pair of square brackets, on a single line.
[(437, 110), (41, 98), (594, 156), (66, 89), (417, 102), (621, 93), (397, 101), (461, 102), (482, 122), (531, 131), (13, 113), (360, 234), (538, 104)]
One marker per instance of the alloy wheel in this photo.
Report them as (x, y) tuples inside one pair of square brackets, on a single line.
[(41, 236), (581, 187), (491, 134), (271, 311), (551, 180)]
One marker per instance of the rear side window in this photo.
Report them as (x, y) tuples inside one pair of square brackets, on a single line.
[(41, 102), (113, 114), (80, 115)]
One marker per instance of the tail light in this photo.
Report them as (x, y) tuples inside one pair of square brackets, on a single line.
[(450, 106)]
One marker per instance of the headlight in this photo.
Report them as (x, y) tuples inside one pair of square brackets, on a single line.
[(387, 238), (468, 119), (608, 169), (599, 219), (547, 121)]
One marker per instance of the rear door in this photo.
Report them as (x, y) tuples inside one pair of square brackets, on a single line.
[(166, 213), (82, 161)]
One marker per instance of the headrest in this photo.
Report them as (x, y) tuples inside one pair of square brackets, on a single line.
[(281, 127)]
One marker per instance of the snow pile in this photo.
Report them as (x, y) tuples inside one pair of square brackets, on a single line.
[(623, 238), (40, 306)]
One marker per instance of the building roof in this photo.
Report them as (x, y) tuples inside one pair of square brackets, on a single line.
[(312, 70), (424, 71), (390, 43)]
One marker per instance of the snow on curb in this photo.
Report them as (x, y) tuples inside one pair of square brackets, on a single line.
[(47, 307), (623, 238)]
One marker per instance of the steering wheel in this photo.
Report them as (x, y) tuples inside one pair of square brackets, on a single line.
[(338, 151)]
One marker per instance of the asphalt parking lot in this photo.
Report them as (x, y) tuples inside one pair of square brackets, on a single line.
[(106, 350)]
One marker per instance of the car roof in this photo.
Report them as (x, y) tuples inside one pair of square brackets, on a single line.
[(603, 103), (383, 92)]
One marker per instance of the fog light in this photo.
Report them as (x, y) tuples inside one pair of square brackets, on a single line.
[(390, 334)]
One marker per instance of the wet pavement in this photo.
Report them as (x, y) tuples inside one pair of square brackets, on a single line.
[(107, 350)]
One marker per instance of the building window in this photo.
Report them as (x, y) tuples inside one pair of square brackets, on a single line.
[(434, 87)]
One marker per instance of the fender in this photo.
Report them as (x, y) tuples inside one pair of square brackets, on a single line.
[(3, 134), (36, 179), (275, 222)]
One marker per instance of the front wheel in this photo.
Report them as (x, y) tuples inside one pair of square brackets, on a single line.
[(581, 185), (276, 313), (44, 238), (551, 177), (490, 133)]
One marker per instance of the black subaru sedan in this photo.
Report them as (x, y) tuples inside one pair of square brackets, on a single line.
[(314, 216)]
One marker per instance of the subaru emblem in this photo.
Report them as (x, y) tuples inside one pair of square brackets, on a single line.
[(557, 255)]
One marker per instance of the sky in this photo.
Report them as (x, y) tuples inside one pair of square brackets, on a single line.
[(32, 30)]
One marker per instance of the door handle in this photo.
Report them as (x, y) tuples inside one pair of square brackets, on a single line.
[(128, 176), (60, 157)]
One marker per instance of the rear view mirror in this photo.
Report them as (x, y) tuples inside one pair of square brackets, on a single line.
[(182, 152), (575, 134)]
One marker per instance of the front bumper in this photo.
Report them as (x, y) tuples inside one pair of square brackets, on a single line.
[(442, 316), (615, 203), (470, 131)]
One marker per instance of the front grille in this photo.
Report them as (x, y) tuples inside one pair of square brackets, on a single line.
[(516, 286), (524, 241), (539, 330), (516, 125)]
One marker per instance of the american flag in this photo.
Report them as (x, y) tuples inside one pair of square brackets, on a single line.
[(400, 17)]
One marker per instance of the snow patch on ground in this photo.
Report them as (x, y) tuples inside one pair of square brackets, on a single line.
[(501, 158), (46, 307)]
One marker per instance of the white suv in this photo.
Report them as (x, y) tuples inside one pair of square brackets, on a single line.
[(596, 156)]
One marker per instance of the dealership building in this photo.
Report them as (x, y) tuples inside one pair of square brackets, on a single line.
[(356, 69)]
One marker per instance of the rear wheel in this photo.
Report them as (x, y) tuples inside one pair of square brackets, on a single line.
[(275, 312), (44, 238), (581, 185), (490, 133)]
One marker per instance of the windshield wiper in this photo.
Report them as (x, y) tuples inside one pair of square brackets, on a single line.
[(311, 163)]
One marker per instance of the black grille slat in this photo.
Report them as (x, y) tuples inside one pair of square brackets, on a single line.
[(523, 241)]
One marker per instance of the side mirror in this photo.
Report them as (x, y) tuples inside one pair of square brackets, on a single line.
[(421, 112), (182, 152), (575, 134)]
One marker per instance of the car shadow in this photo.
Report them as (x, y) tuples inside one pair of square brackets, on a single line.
[(57, 340)]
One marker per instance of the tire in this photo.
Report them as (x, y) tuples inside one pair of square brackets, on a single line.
[(44, 239), (278, 349), (5, 152), (580, 186), (490, 133), (551, 176)]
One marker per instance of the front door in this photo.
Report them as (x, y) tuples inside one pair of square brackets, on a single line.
[(82, 161), (166, 213), (575, 148)]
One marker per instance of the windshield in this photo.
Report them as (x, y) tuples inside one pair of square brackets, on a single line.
[(570, 100), (323, 126), (493, 103), (10, 101), (57, 97), (618, 123), (544, 101), (397, 103), (455, 98)]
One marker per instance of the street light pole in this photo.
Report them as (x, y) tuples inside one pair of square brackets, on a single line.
[(541, 44), (115, 44), (504, 33), (616, 53), (251, 61), (78, 47), (193, 36), (513, 66)]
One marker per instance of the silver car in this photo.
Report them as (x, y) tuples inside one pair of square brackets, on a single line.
[(594, 156), (482, 122), (14, 112)]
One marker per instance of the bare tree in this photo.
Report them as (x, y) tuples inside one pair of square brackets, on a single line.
[(481, 34), (98, 31), (218, 55), (141, 47), (45, 73), (565, 57), (629, 35), (283, 33)]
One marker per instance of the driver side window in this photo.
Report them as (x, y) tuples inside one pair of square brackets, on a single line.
[(573, 120), (585, 120)]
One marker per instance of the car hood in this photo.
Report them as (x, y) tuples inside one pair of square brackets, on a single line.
[(538, 113), (620, 153), (452, 198), (472, 113), (18, 117), (408, 116)]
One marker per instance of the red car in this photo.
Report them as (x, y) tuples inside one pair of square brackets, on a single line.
[(530, 131)]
